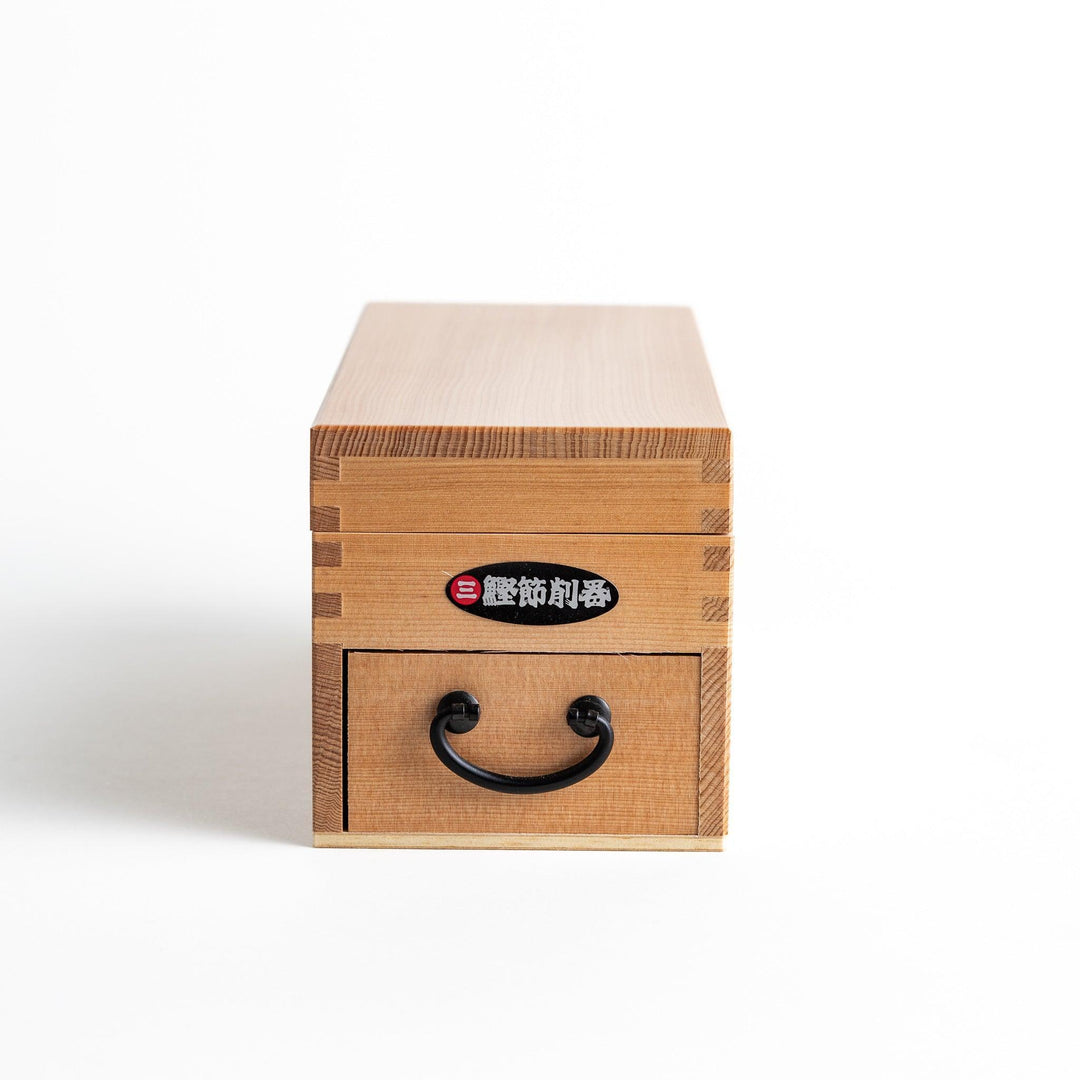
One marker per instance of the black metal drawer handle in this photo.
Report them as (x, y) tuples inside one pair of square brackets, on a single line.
[(459, 712)]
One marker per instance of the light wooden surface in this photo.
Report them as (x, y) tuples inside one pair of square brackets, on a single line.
[(599, 495), (476, 365), (392, 590), (512, 381), (519, 841), (396, 784)]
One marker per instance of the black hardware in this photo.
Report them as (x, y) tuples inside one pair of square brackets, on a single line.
[(459, 712)]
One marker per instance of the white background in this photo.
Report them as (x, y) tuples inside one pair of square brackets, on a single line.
[(872, 208)]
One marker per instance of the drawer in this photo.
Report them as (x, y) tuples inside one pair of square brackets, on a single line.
[(394, 783)]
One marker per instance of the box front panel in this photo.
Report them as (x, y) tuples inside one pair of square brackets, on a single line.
[(390, 591)]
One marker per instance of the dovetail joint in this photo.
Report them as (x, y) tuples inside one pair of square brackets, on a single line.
[(715, 608), (716, 520), (716, 471), (716, 557), (326, 605)]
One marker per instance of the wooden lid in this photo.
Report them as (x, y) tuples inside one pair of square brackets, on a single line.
[(469, 380)]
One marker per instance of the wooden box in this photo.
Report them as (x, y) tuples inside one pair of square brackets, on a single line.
[(517, 511)]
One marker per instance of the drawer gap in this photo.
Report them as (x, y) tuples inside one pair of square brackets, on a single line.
[(345, 740)]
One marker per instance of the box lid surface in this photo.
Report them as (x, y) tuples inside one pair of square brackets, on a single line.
[(496, 381)]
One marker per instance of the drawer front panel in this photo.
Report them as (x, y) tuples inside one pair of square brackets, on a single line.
[(540, 495), (396, 784), (388, 591)]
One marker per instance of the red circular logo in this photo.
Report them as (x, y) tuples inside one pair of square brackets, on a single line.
[(465, 589)]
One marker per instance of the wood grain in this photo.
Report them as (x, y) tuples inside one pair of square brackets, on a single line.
[(716, 472), (325, 519), (519, 841), (649, 784), (520, 442), (324, 467), (715, 741), (716, 557), (393, 589), (326, 553), (556, 495), (326, 605), (716, 519), (486, 365), (326, 737), (715, 608), (521, 381)]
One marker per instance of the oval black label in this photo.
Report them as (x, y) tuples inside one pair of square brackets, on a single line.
[(532, 593)]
